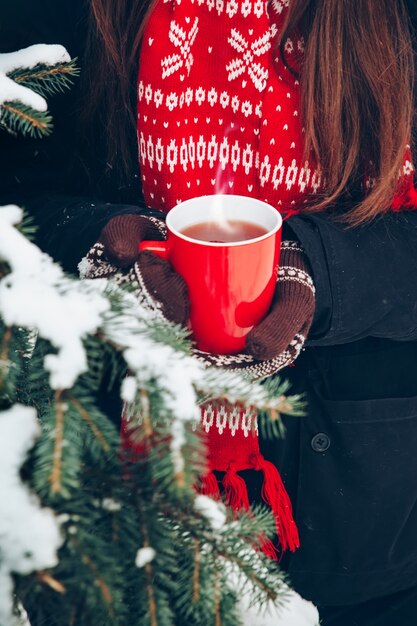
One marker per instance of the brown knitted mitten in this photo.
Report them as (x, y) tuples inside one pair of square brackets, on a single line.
[(292, 310), (122, 234), (165, 286)]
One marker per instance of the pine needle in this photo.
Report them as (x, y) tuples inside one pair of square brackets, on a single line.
[(16, 117), (45, 80)]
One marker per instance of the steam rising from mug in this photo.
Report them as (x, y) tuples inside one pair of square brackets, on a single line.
[(217, 214)]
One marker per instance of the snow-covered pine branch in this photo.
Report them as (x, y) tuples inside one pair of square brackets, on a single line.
[(30, 57), (36, 294), (288, 610), (29, 535), (26, 76)]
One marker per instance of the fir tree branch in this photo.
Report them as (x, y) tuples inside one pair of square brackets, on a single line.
[(17, 117), (89, 420), (216, 592), (53, 583), (257, 581), (148, 569), (104, 589), (263, 578), (47, 80), (270, 419), (28, 227), (44, 80), (71, 459), (4, 355), (55, 476), (145, 412), (196, 573)]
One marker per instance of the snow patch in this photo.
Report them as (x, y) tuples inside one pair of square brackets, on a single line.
[(144, 556), (129, 388), (10, 91), (214, 511), (293, 610), (108, 504), (47, 54)]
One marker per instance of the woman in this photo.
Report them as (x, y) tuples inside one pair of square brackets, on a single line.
[(349, 465)]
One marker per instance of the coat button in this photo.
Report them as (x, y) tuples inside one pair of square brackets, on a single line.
[(320, 442)]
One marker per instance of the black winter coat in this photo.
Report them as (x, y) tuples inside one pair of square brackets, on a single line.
[(350, 465)]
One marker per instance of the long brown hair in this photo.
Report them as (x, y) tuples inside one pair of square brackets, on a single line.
[(356, 86), (112, 56)]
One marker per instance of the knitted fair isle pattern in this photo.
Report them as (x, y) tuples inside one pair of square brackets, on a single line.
[(219, 112)]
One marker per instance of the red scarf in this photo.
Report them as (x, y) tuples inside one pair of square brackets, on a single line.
[(218, 111)]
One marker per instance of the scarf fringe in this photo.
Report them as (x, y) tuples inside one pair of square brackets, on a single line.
[(275, 495), (269, 549), (209, 486), (236, 491)]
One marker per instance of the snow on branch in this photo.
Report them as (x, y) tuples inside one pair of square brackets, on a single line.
[(36, 294), (32, 56), (29, 535), (212, 510), (11, 91), (292, 610), (28, 58), (288, 608)]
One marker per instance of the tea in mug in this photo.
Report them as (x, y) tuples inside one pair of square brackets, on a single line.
[(224, 231)]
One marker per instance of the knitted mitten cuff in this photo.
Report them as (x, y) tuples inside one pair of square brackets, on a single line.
[(250, 367), (295, 270), (96, 265), (157, 288)]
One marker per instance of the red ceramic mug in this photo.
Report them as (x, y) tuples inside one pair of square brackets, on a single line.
[(231, 284)]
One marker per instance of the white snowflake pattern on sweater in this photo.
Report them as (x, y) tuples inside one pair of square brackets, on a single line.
[(217, 108)]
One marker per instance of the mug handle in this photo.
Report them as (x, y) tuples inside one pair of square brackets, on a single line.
[(157, 247)]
